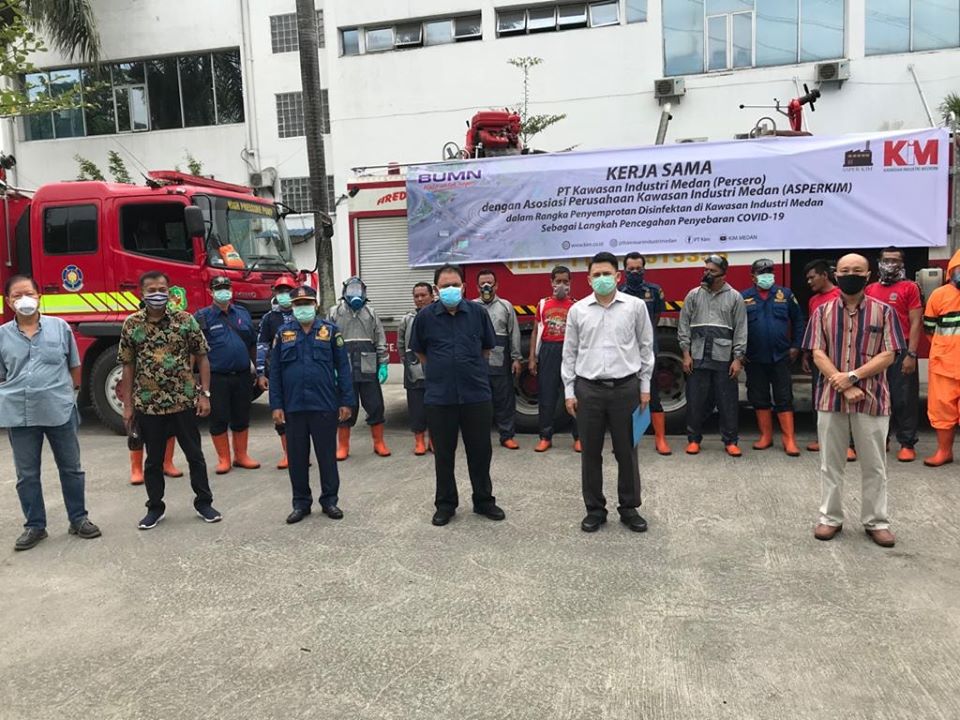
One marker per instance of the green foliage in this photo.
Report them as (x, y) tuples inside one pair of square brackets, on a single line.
[(117, 168), (194, 166), (951, 104), (531, 125), (88, 169)]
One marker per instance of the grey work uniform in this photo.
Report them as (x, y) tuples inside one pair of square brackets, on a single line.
[(413, 378), (366, 343), (506, 329)]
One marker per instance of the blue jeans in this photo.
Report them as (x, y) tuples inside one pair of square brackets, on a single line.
[(27, 444)]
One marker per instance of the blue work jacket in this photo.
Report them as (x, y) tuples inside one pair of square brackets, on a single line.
[(310, 371), (774, 324)]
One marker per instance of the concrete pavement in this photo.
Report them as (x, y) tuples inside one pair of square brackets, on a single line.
[(726, 608)]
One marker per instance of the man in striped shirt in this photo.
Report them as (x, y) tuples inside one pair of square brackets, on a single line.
[(854, 339)]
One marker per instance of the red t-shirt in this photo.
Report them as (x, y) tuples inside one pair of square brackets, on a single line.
[(903, 296), (553, 318), (819, 299)]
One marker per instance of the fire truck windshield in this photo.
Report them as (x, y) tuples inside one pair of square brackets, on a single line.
[(245, 234)]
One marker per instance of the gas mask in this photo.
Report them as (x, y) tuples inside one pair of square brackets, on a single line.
[(891, 272), (355, 292), (486, 292)]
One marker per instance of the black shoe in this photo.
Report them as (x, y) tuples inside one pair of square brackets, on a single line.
[(297, 515), (209, 514), (151, 519), (84, 529), (29, 538), (333, 512), (491, 511), (442, 517), (635, 522), (592, 523)]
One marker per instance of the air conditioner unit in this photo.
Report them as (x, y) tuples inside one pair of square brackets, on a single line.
[(836, 71), (266, 178), (669, 88)]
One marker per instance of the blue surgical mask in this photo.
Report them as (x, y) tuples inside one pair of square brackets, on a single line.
[(305, 313), (283, 299), (157, 300), (603, 284), (451, 296), (222, 296), (765, 281)]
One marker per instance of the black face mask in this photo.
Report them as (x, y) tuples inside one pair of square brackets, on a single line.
[(635, 279), (709, 279), (851, 284)]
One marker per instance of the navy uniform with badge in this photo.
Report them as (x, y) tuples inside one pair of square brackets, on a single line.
[(775, 329), (311, 391)]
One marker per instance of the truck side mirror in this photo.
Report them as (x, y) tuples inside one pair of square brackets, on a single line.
[(193, 219)]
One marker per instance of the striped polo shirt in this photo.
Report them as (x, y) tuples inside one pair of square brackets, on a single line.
[(850, 340)]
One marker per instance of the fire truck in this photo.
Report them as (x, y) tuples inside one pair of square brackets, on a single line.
[(87, 243), (378, 253)]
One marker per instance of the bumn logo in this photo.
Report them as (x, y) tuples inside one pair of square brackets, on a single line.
[(911, 153)]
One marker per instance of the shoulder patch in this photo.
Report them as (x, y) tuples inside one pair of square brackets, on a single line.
[(339, 340)]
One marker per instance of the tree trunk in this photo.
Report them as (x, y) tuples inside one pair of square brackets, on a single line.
[(313, 122)]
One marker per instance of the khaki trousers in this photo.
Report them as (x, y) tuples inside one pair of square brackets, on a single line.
[(870, 437)]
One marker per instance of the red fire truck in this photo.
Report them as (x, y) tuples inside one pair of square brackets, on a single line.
[(378, 253), (86, 244)]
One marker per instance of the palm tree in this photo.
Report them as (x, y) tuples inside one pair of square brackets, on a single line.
[(951, 104), (69, 24)]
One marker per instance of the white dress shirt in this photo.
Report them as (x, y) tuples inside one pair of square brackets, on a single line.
[(607, 343)]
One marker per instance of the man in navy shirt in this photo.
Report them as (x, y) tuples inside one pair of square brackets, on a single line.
[(232, 340), (311, 391), (452, 338)]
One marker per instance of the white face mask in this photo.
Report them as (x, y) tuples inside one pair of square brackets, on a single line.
[(26, 305)]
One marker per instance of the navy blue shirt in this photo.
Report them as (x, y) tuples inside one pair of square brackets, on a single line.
[(230, 335), (652, 296), (774, 324), (310, 371), (456, 370)]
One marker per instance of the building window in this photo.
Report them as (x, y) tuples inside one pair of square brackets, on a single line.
[(283, 32), (290, 115), (894, 26), (295, 193), (636, 11), (419, 33), (70, 230), (163, 84), (546, 18), (228, 87), (706, 35)]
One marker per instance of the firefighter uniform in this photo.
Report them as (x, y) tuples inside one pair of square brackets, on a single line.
[(502, 356), (413, 381), (269, 325), (941, 321), (775, 326), (310, 380), (366, 344)]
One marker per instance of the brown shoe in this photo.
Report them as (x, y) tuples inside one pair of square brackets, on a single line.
[(882, 537), (826, 532)]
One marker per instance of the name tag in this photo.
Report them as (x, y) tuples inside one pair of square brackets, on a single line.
[(288, 336)]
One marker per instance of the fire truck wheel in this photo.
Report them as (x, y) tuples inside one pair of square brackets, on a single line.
[(104, 387), (670, 380)]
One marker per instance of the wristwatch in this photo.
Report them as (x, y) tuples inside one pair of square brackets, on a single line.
[(854, 378), (912, 353), (205, 393)]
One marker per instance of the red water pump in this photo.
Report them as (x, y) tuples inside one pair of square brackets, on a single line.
[(492, 133)]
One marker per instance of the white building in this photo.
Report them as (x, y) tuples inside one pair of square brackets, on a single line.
[(405, 76)]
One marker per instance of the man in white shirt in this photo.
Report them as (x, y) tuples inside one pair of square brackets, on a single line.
[(607, 365)]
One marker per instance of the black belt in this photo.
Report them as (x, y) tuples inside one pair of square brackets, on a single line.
[(609, 383), (230, 374)]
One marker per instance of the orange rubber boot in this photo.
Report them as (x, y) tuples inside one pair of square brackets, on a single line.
[(851, 455), (283, 464), (693, 448), (169, 469), (136, 467), (944, 454), (765, 422), (343, 443), (419, 443), (789, 438), (222, 445), (543, 445), (733, 451), (379, 446), (813, 446), (240, 457), (659, 422)]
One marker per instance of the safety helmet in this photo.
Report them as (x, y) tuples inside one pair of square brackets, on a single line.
[(285, 281)]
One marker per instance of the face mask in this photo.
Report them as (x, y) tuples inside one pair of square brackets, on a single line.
[(451, 296), (355, 301), (635, 279), (891, 272), (283, 299), (561, 291), (603, 284), (156, 300), (851, 284), (707, 279), (486, 292), (222, 296), (765, 281), (305, 313), (26, 305)]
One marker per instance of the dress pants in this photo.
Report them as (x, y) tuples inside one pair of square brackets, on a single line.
[(603, 407), (321, 428), (447, 423), (904, 401), (416, 410), (704, 384), (870, 435), (155, 429), (369, 394), (549, 387)]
